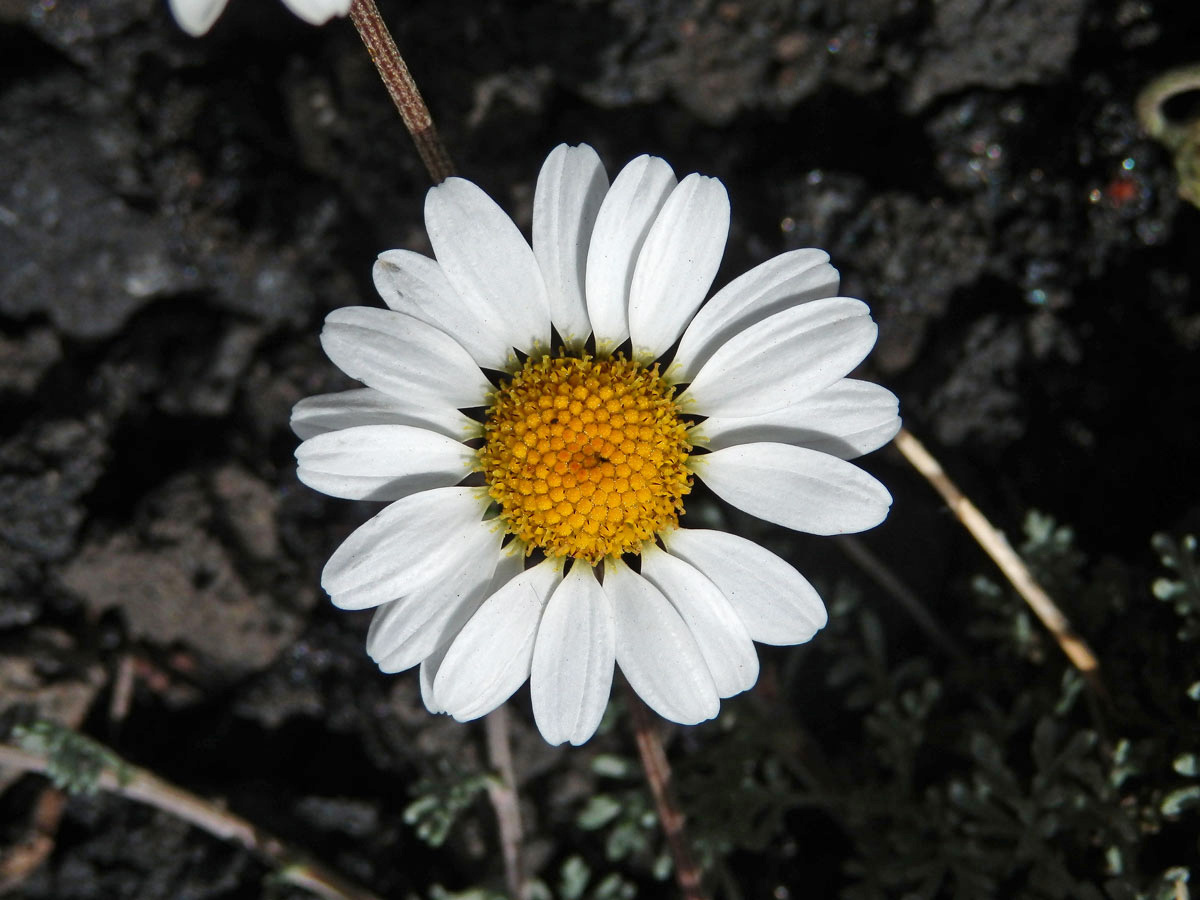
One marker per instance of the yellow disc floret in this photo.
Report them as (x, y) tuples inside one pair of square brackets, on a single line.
[(586, 457)]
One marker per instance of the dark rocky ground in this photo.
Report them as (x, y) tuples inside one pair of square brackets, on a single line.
[(176, 218)]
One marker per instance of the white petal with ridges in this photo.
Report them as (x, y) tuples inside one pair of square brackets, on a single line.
[(512, 561), (656, 650), (381, 462), (492, 654), (719, 632), (774, 601), (782, 359), (318, 12), (404, 357), (573, 659), (409, 545), (788, 280), (415, 285), (846, 419), (795, 487), (677, 264), (432, 618), (629, 209), (570, 189), (489, 263), (407, 630), (366, 406)]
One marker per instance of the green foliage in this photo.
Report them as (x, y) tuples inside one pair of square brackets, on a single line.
[(441, 800), (1183, 591), (988, 779), (992, 772), (624, 814)]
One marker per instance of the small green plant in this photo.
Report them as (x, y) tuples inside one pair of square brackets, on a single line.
[(75, 763), (440, 801), (1182, 591)]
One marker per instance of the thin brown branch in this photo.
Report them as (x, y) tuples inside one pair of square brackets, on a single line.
[(883, 576), (658, 774), (502, 791), (135, 783), (997, 547), (402, 88)]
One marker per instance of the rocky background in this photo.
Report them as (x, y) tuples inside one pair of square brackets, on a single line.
[(176, 218)]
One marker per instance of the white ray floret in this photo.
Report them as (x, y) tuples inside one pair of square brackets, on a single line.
[(196, 17)]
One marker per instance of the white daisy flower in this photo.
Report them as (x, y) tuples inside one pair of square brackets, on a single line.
[(583, 446), (196, 17)]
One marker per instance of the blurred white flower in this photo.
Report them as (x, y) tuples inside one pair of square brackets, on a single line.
[(196, 17), (585, 451)]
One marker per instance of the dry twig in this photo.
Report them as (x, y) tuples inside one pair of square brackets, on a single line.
[(997, 547), (134, 783)]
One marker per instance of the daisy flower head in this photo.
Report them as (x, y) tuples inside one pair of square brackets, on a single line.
[(540, 537), (196, 17)]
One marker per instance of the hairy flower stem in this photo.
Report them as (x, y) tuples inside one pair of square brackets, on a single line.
[(658, 774), (399, 82)]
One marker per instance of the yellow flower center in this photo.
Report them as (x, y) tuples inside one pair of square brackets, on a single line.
[(586, 457)]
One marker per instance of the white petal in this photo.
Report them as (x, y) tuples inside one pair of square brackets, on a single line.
[(570, 189), (783, 359), (788, 280), (382, 462), (776, 603), (846, 419), (428, 672), (196, 16), (406, 631), (409, 545), (723, 639), (656, 649), (403, 357), (629, 209), (573, 659), (318, 12), (415, 285), (512, 561), (677, 264), (491, 656), (795, 487), (489, 263), (367, 406)]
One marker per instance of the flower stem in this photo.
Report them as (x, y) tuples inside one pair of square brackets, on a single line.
[(403, 90), (658, 774), (502, 791)]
